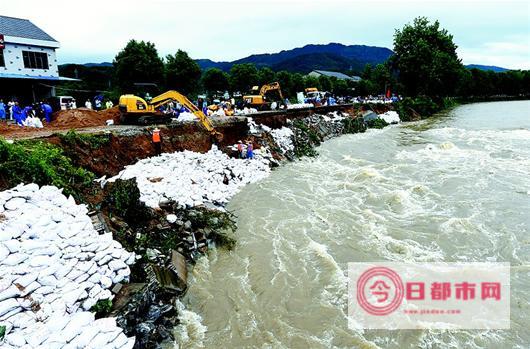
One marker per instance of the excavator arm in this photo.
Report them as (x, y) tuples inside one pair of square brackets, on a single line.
[(174, 96), (271, 87)]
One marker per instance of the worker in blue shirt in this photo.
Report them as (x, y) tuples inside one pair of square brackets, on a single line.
[(27, 111), (17, 114), (2, 110), (47, 110)]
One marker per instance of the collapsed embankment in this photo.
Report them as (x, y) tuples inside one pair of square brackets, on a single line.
[(171, 233)]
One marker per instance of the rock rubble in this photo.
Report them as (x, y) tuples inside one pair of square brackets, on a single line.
[(54, 267)]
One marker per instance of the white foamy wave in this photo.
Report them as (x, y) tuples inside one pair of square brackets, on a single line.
[(190, 332), (377, 239)]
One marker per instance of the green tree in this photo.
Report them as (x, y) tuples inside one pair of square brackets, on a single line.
[(137, 62), (425, 58), (383, 79), (243, 77), (266, 75), (367, 72), (311, 81), (325, 83), (298, 82), (286, 83), (182, 73), (340, 88), (214, 80)]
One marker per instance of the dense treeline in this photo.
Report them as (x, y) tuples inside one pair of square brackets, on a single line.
[(424, 65)]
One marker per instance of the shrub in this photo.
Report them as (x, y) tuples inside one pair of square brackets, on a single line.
[(356, 125), (377, 123), (91, 141), (42, 163), (305, 140), (102, 308), (123, 199)]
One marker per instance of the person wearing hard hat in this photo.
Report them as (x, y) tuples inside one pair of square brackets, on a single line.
[(157, 141)]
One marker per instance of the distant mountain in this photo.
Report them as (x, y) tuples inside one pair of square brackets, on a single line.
[(208, 63), (102, 64), (332, 56), (318, 61), (487, 67)]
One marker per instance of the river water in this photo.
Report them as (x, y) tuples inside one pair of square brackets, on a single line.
[(452, 188)]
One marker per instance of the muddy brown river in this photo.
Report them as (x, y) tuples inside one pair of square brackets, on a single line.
[(452, 188)]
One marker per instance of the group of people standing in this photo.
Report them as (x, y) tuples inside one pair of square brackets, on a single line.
[(98, 103), (14, 111), (245, 151)]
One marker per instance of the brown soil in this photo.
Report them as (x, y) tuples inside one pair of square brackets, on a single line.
[(81, 117), (122, 150)]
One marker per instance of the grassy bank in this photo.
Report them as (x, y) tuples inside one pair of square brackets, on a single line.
[(42, 163)]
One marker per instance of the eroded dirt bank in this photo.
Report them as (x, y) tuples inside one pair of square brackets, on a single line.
[(109, 150)]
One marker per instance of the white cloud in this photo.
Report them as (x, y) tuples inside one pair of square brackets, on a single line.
[(225, 30), (508, 54)]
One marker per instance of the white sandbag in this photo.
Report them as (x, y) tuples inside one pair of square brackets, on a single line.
[(8, 305)]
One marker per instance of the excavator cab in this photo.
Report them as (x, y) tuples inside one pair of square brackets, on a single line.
[(259, 101), (131, 103)]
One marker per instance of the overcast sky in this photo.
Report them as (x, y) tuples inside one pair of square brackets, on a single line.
[(487, 32)]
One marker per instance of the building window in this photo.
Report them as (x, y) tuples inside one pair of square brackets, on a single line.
[(2, 61), (35, 60)]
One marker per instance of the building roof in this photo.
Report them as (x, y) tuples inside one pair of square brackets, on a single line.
[(335, 74), (22, 28), (31, 77)]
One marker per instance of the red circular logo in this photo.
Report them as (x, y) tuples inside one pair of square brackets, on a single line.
[(384, 288)]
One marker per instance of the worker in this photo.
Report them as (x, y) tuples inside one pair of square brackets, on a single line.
[(47, 111), (109, 104), (17, 114), (250, 151), (88, 104), (27, 112), (97, 103), (156, 141), (240, 149), (2, 110)]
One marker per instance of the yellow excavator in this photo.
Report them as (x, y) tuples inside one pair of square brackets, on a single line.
[(136, 110), (259, 101)]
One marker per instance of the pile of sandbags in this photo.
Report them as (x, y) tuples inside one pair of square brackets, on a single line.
[(390, 117), (245, 111), (31, 121), (193, 179), (255, 128), (299, 106), (54, 266), (283, 138), (186, 116)]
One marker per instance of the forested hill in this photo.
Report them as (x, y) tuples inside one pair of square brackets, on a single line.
[(487, 67), (333, 56)]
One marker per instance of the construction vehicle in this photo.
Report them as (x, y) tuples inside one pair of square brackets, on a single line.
[(312, 93), (259, 101), (314, 96), (136, 110)]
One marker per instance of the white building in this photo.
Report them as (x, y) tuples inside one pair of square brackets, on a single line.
[(340, 76), (28, 62)]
